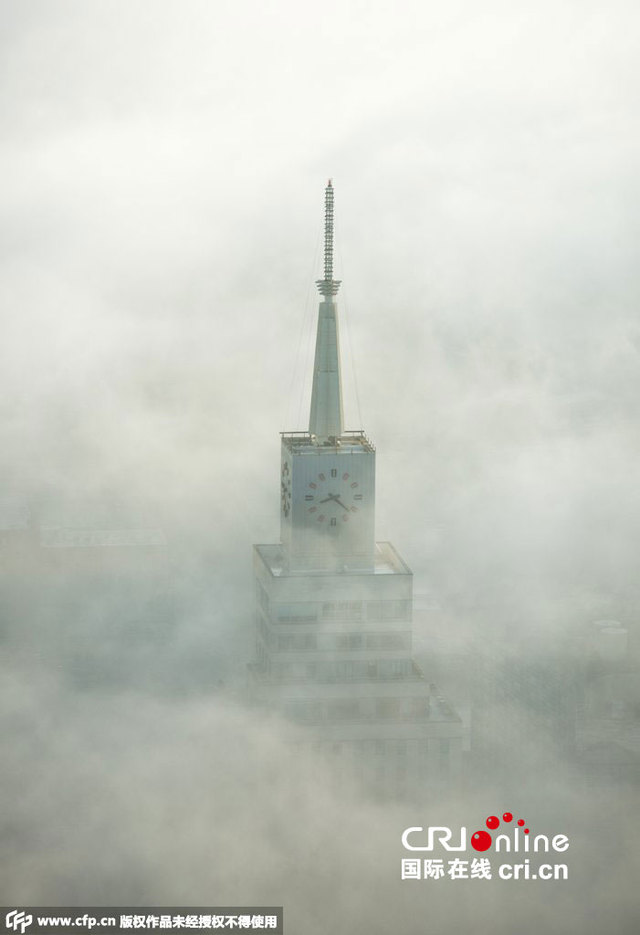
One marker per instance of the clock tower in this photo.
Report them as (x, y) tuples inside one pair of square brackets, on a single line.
[(327, 474), (333, 606)]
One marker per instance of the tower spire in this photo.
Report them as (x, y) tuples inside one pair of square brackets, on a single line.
[(328, 286), (326, 416)]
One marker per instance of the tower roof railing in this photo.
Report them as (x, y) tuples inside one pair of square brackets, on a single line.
[(348, 438), (305, 432)]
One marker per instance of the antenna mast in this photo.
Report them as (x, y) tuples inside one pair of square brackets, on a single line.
[(328, 286)]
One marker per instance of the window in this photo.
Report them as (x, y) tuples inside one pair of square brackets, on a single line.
[(393, 668), (265, 633), (297, 613), (348, 641), (343, 710), (388, 641), (296, 642), (373, 610), (342, 610), (388, 610), (387, 707), (344, 671), (263, 597)]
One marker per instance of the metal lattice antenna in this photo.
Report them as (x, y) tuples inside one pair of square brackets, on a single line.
[(328, 286)]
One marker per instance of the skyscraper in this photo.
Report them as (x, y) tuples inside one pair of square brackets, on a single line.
[(334, 607)]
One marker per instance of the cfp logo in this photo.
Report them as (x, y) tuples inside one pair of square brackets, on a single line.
[(18, 920)]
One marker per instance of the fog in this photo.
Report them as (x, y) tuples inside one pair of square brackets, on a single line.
[(164, 168)]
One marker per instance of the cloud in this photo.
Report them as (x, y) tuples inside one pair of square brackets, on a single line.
[(166, 165)]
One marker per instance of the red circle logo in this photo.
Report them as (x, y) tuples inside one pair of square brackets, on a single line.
[(481, 840)]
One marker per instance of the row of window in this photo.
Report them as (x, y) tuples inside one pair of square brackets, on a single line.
[(358, 709), (307, 612), (340, 642), (377, 748), (346, 671)]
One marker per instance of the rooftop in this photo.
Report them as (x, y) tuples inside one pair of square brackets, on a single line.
[(386, 562), (350, 441)]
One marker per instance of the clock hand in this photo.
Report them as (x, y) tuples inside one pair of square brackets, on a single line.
[(326, 499), (340, 503)]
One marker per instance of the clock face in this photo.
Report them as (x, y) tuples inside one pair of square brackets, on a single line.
[(285, 489), (333, 498)]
